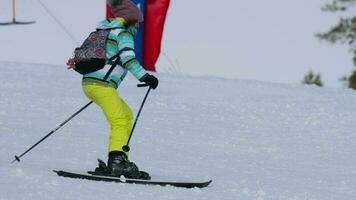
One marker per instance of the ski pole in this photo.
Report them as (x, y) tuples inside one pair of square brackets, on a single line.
[(17, 158), (126, 148)]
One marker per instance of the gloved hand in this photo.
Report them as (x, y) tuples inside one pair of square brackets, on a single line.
[(150, 80)]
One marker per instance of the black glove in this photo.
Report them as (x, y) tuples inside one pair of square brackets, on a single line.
[(150, 80)]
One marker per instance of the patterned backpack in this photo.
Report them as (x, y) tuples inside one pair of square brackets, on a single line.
[(91, 55)]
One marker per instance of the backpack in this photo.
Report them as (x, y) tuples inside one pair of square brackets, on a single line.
[(91, 55)]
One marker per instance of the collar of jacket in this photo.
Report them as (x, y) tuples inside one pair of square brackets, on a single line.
[(116, 23), (112, 23)]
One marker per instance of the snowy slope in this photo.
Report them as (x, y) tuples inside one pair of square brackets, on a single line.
[(256, 140)]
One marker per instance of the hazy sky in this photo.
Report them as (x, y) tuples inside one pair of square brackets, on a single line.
[(260, 40)]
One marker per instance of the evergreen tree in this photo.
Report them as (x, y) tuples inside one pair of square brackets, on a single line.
[(311, 79), (350, 81), (344, 32)]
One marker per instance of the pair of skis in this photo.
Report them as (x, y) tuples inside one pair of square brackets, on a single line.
[(131, 181)]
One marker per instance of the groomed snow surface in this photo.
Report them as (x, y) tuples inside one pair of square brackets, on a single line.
[(255, 140)]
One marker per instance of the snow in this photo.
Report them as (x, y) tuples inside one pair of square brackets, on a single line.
[(255, 140)]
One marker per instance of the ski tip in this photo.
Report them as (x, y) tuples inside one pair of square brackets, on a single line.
[(207, 183), (58, 172)]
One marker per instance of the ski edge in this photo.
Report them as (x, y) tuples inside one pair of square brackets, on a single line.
[(132, 181)]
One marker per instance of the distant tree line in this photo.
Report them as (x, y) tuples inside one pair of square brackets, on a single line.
[(343, 32)]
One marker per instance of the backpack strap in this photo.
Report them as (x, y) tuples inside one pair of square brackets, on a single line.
[(113, 57), (113, 65), (117, 57)]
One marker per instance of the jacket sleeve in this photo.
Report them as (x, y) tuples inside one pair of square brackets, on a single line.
[(127, 57)]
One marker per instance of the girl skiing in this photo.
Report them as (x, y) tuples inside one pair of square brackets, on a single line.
[(104, 92)]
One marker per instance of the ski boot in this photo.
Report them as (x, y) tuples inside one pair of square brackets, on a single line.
[(118, 165)]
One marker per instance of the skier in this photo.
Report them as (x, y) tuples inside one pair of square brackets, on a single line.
[(104, 92)]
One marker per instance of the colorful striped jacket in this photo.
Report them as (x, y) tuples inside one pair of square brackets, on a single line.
[(121, 40)]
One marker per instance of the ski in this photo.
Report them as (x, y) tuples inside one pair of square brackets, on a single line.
[(132, 181)]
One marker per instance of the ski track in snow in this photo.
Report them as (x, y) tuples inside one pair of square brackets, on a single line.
[(256, 140)]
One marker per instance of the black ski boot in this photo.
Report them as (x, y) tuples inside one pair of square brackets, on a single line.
[(119, 165)]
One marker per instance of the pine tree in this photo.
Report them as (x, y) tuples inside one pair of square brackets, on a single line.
[(344, 32), (311, 79), (350, 81)]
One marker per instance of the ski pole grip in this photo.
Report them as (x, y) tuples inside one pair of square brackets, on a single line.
[(142, 85)]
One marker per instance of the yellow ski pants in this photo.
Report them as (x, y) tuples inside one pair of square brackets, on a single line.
[(117, 112)]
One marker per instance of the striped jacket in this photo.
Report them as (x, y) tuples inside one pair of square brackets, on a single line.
[(121, 40)]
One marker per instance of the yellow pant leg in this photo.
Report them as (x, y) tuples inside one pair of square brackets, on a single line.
[(117, 113)]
